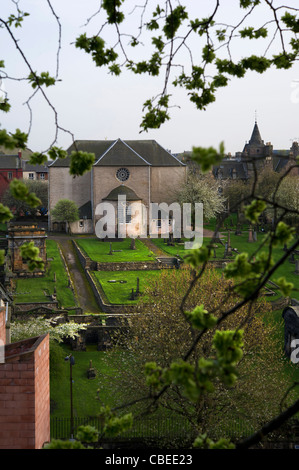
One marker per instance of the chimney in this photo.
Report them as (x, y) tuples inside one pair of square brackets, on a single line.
[(20, 154)]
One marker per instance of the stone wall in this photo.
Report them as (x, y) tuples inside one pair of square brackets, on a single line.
[(27, 306), (128, 266), (85, 261), (63, 186), (100, 297)]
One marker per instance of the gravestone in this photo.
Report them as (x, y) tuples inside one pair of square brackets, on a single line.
[(250, 237), (297, 267), (91, 372)]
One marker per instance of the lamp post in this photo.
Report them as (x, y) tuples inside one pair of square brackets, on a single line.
[(72, 362)]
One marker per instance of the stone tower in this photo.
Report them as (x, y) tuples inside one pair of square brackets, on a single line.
[(256, 153)]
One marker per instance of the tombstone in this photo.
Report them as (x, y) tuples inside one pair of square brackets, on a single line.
[(238, 229), (110, 252), (91, 372), (133, 244), (297, 267), (254, 236), (170, 240), (292, 258), (291, 328), (132, 296), (250, 237)]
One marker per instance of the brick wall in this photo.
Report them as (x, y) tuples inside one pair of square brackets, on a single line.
[(24, 395)]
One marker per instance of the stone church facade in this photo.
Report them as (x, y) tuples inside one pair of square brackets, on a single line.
[(142, 171)]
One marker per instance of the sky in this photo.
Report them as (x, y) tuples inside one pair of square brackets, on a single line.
[(93, 105)]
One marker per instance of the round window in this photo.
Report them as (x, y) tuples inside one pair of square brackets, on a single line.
[(122, 174)]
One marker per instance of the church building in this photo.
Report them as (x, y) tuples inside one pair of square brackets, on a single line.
[(255, 156), (137, 171)]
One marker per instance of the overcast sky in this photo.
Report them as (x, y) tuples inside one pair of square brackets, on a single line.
[(94, 105)]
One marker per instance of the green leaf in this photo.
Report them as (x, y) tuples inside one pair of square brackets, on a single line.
[(254, 210), (200, 318), (196, 257), (43, 79), (81, 162), (285, 287), (20, 191), (30, 253), (207, 157), (5, 214), (283, 234)]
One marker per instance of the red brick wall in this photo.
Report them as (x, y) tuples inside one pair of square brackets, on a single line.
[(24, 396)]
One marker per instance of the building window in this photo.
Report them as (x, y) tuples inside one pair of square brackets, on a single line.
[(124, 214), (9, 175), (31, 176), (81, 223), (122, 174), (42, 176)]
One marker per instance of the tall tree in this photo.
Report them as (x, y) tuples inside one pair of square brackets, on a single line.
[(21, 207), (65, 211), (202, 189)]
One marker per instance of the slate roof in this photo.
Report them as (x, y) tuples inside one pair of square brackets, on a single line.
[(10, 162), (256, 136), (227, 166), (280, 159), (85, 211), (123, 152), (122, 191), (37, 168)]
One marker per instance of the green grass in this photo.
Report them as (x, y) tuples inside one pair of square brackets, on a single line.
[(39, 289), (240, 242), (119, 293), (99, 251), (85, 402)]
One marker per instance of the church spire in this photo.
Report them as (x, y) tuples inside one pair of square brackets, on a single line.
[(256, 136)]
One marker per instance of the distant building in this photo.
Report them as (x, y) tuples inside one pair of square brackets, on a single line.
[(140, 170), (10, 167), (255, 156), (14, 166), (34, 172)]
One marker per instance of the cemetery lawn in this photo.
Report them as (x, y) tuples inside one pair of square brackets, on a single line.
[(97, 250), (240, 242), (40, 289), (118, 292), (85, 397)]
